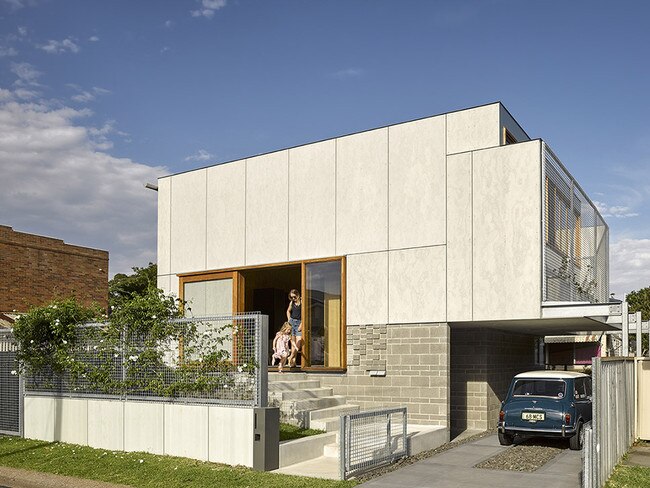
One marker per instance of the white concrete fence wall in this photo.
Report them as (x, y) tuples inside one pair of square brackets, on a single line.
[(205, 432)]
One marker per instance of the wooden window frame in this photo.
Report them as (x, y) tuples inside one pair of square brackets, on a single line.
[(238, 292)]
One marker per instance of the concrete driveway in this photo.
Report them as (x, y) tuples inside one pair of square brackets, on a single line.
[(455, 469)]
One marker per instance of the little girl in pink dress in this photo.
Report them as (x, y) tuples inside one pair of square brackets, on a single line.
[(281, 348)]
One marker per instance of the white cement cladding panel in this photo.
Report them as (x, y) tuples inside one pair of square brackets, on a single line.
[(267, 203), (417, 183), (362, 192), (312, 200), (506, 216), (188, 230), (367, 288), (226, 223)]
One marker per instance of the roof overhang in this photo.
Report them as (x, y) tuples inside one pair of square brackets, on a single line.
[(559, 318)]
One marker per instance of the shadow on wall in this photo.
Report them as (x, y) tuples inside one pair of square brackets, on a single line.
[(483, 361)]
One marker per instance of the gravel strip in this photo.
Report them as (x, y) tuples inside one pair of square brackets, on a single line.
[(420, 456), (529, 456)]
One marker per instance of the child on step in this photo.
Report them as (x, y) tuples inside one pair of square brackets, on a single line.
[(281, 348)]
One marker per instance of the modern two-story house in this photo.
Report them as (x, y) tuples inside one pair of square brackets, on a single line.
[(427, 253)]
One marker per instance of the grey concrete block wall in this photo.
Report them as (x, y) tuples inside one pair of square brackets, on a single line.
[(415, 358), (483, 361)]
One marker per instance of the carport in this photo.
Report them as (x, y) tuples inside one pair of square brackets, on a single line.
[(484, 356)]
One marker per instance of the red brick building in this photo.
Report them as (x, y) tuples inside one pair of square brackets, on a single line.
[(36, 269)]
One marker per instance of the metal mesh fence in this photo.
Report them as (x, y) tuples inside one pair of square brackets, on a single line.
[(370, 439), (217, 359), (576, 239), (613, 423), (10, 387)]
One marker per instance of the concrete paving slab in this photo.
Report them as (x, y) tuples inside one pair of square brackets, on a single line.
[(320, 467), (638, 456), (455, 469)]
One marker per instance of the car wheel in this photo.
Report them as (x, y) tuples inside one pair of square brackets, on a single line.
[(505, 439), (575, 442)]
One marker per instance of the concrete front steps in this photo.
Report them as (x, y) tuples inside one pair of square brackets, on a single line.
[(303, 402)]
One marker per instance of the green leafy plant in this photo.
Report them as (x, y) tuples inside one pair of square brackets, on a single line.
[(142, 348), (46, 335)]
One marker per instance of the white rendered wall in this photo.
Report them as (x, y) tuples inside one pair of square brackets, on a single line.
[(459, 237), (267, 208), (367, 288), (379, 198), (226, 224), (417, 285), (475, 128), (164, 225), (188, 232), (506, 222), (209, 433), (362, 192), (416, 183), (312, 200)]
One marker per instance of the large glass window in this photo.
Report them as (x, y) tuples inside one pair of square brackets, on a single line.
[(323, 299)]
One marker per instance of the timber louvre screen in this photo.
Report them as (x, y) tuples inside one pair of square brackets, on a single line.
[(10, 387), (369, 440), (576, 239)]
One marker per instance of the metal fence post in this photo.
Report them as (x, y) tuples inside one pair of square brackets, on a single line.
[(261, 355)]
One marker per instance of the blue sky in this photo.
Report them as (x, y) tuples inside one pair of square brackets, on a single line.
[(98, 97)]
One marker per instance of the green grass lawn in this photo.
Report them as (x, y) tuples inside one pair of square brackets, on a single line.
[(629, 477), (140, 469), (288, 432)]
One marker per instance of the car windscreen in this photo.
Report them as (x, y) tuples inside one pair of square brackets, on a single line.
[(544, 388)]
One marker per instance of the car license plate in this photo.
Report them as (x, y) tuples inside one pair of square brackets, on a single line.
[(533, 416)]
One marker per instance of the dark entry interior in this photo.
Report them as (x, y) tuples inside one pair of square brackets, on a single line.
[(267, 291)]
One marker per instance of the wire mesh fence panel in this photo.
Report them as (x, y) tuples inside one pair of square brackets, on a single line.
[(10, 387), (216, 359), (371, 439), (576, 239), (613, 424)]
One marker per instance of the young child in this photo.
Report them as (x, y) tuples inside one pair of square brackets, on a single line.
[(281, 348)]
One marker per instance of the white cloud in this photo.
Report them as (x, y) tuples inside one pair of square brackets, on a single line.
[(165, 49), (347, 73), (629, 265), (208, 8), (617, 211), (85, 96), (58, 47), (169, 24), (22, 31), (200, 155), (58, 180), (7, 51), (26, 73), (93, 38)]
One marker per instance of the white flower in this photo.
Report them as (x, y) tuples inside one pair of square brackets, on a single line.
[(95, 348), (133, 358), (32, 341), (64, 341), (54, 307), (115, 355), (14, 372), (142, 460), (245, 365), (153, 317), (101, 341), (240, 369)]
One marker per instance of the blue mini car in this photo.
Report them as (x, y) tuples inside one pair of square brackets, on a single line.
[(547, 404)]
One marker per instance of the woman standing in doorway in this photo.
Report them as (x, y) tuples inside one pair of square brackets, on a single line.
[(294, 317)]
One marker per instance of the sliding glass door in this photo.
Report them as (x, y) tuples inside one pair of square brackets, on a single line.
[(323, 313)]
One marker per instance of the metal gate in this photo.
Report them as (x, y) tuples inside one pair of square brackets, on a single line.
[(368, 440), (11, 397)]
